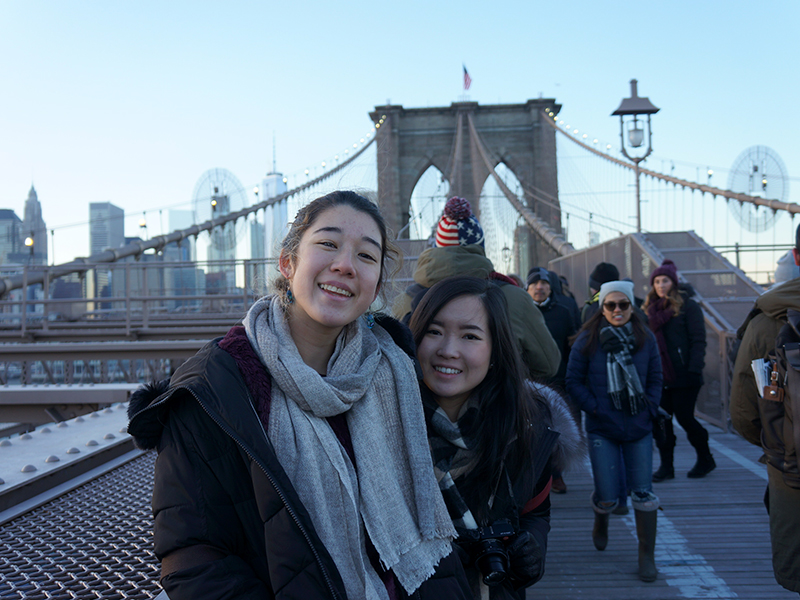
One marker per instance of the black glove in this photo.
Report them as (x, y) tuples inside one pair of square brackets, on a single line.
[(694, 379), (609, 342), (526, 560)]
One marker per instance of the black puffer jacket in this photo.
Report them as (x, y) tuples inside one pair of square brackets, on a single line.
[(561, 326), (685, 335), (219, 487)]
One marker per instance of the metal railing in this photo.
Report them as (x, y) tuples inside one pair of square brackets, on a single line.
[(133, 300)]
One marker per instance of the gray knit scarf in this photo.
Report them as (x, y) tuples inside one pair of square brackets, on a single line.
[(392, 490)]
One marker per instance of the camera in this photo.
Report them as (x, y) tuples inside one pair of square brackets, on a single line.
[(489, 550)]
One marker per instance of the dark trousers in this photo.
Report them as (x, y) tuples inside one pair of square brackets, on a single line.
[(680, 402)]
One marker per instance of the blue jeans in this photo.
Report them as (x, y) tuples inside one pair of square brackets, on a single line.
[(637, 459)]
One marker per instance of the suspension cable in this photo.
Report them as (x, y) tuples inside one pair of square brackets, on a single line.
[(775, 205), (553, 239), (83, 264)]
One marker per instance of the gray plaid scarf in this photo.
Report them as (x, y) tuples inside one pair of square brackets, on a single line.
[(624, 386), (391, 490), (452, 457)]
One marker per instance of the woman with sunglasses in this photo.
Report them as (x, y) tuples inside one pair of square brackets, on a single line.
[(614, 375)]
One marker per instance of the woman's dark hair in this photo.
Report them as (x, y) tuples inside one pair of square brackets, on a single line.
[(308, 215), (506, 410), (673, 298), (598, 321)]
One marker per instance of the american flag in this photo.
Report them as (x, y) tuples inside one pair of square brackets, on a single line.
[(467, 79)]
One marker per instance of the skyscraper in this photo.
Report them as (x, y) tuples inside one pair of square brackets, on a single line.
[(33, 227), (276, 220), (106, 226), (10, 235), (106, 230)]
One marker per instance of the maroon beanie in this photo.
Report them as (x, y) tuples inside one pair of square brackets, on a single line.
[(667, 268)]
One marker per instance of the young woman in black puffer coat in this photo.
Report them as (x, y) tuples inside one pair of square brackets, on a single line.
[(293, 460), (494, 436), (677, 322)]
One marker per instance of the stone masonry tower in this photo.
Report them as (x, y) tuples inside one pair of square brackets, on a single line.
[(411, 140)]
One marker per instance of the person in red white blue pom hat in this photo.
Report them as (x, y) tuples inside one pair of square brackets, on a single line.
[(458, 226), (459, 250)]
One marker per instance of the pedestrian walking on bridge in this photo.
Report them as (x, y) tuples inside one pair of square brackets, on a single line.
[(614, 374), (677, 322)]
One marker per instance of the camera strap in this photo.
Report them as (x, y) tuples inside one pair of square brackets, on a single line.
[(504, 471)]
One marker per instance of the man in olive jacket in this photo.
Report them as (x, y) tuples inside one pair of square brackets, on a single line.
[(460, 250), (539, 350), (758, 335)]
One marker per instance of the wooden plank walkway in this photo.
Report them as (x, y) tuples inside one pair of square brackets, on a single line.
[(713, 535)]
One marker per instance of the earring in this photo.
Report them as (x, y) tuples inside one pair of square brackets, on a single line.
[(290, 296), (370, 320)]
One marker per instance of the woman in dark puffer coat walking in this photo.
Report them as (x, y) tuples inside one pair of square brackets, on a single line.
[(677, 322), (614, 375)]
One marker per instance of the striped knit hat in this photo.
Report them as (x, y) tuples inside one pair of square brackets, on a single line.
[(458, 226)]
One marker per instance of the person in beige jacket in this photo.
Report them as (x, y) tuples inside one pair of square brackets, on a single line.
[(758, 335)]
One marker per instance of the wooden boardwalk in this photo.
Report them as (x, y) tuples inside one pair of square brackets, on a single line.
[(713, 535)]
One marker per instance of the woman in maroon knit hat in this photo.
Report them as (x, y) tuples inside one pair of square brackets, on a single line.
[(677, 322)]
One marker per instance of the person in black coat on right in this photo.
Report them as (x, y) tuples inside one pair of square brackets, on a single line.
[(677, 322)]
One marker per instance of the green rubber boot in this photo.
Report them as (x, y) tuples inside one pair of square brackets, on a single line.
[(646, 531)]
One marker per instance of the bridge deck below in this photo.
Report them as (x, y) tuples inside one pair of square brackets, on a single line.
[(713, 536), (713, 540)]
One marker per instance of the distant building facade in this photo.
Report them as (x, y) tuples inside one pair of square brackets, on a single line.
[(106, 227), (106, 230), (184, 279), (276, 219), (33, 226), (10, 235)]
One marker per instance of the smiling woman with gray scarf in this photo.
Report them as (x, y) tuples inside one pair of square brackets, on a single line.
[(614, 375), (293, 458)]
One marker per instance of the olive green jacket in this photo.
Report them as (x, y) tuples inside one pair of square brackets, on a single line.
[(758, 338), (539, 350)]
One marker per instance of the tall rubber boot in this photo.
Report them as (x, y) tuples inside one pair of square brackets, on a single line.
[(646, 531), (600, 530)]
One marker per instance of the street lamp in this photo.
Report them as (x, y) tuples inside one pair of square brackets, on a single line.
[(633, 108), (506, 251), (29, 244)]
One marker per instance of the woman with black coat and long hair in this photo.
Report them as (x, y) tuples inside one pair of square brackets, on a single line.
[(677, 322), (494, 436)]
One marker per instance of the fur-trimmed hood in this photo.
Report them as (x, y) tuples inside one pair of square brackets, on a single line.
[(141, 399), (569, 452)]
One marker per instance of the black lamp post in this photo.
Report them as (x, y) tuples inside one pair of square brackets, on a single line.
[(633, 108), (29, 244)]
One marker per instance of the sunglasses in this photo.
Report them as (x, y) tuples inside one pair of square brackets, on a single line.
[(612, 306)]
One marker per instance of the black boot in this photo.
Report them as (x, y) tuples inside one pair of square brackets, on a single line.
[(646, 532), (600, 530), (667, 452), (704, 465), (666, 470)]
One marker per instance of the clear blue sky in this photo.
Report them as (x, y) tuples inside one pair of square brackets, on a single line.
[(130, 102)]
